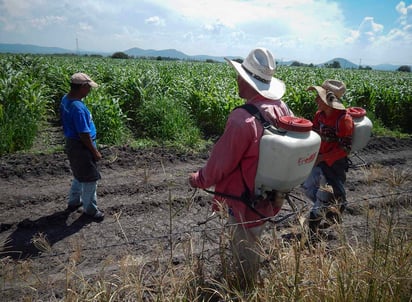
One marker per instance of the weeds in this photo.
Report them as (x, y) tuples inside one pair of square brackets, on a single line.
[(351, 270), (397, 178)]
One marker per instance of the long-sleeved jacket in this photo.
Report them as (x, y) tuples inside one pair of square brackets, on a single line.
[(336, 133), (233, 161)]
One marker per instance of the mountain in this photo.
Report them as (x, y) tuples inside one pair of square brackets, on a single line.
[(32, 49), (35, 49), (385, 67), (284, 63), (348, 64), (345, 64), (166, 53), (170, 53)]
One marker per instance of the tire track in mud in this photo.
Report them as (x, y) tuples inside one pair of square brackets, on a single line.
[(138, 181), (388, 151), (140, 201)]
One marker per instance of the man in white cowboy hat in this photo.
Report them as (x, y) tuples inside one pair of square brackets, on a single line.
[(233, 162), (325, 184)]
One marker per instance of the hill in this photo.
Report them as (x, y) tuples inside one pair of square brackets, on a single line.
[(32, 49), (165, 53), (35, 49), (345, 64), (170, 53)]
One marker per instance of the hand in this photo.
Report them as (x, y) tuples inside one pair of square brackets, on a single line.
[(97, 155), (192, 180)]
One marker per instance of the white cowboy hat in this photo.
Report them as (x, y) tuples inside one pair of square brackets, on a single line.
[(330, 92), (258, 69)]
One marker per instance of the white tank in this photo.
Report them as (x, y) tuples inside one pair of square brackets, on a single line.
[(363, 128), (286, 157)]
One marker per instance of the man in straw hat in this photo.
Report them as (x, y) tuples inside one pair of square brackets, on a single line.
[(233, 161), (80, 133), (325, 184)]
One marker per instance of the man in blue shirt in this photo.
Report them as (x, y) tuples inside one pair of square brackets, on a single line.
[(80, 133)]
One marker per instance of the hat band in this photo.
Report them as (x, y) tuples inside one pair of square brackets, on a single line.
[(256, 76)]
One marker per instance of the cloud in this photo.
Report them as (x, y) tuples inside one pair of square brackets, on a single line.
[(369, 30), (402, 34), (376, 44), (155, 20), (403, 9), (42, 22), (295, 29), (215, 28), (405, 18), (84, 26), (17, 8)]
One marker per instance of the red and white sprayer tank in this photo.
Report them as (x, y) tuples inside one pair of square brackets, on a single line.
[(287, 156), (363, 128)]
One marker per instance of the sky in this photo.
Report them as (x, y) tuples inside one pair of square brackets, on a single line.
[(366, 32)]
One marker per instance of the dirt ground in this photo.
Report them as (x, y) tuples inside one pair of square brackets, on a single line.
[(150, 207)]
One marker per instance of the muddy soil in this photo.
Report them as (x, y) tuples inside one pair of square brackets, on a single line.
[(152, 213)]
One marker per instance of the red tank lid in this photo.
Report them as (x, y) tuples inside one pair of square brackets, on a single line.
[(356, 112), (292, 123)]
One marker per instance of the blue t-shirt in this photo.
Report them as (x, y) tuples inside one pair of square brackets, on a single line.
[(76, 118)]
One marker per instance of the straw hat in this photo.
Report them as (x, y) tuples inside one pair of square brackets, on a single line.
[(330, 92), (257, 70)]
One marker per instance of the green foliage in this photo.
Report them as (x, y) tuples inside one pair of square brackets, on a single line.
[(211, 100), (119, 55), (386, 96), (134, 93), (167, 121), (405, 68), (108, 117), (23, 103), (334, 64)]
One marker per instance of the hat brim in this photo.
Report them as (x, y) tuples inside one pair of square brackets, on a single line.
[(89, 82), (322, 94), (273, 90), (93, 84)]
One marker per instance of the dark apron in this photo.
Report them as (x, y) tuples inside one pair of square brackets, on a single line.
[(82, 162)]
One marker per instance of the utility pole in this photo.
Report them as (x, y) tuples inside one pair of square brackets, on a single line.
[(360, 63), (77, 46)]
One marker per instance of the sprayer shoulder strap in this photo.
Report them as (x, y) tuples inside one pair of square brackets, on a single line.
[(252, 109), (339, 119)]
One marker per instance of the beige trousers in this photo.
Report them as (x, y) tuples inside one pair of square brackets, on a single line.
[(245, 245)]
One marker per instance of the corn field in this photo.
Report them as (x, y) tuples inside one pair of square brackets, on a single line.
[(172, 102)]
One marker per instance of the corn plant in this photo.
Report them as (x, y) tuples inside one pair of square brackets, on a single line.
[(200, 94), (23, 105)]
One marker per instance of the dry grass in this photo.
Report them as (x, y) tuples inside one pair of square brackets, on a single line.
[(399, 177), (377, 268), (352, 270), (374, 173)]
